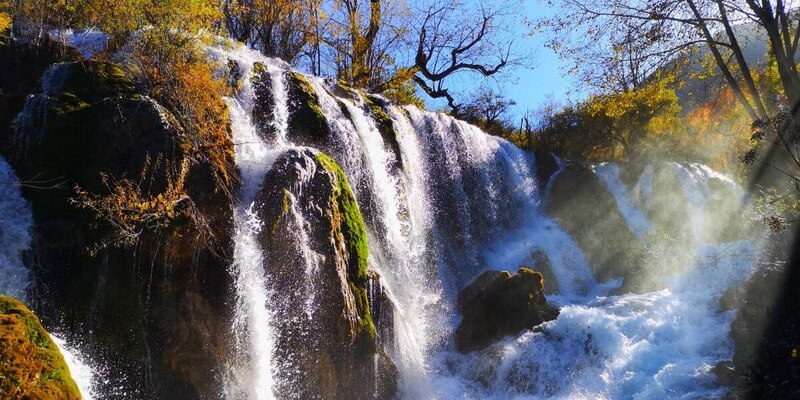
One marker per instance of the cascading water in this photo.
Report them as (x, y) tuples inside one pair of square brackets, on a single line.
[(462, 202), (447, 203), (15, 235), (252, 372), (398, 228), (634, 217), (16, 223), (601, 346), (514, 227)]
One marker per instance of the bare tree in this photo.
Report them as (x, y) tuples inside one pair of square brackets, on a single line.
[(656, 33), (452, 39)]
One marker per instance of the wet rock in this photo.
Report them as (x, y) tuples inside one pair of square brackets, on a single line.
[(145, 305), (328, 340), (497, 304), (31, 366), (588, 212), (23, 65), (307, 123), (546, 166)]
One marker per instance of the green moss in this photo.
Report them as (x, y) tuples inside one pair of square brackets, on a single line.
[(92, 81), (259, 69), (31, 366), (341, 89), (367, 335), (307, 119), (350, 220), (376, 107)]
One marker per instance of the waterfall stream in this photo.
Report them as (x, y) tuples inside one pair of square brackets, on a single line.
[(253, 370), (443, 204), (464, 202)]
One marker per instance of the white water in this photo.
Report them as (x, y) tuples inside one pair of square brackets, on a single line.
[(661, 344), (16, 223), (252, 372), (634, 217), (397, 230), (80, 367), (466, 201)]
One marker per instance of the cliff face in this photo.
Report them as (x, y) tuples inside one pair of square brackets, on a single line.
[(156, 310), (133, 236)]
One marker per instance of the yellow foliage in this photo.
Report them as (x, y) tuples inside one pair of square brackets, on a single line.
[(5, 22), (172, 71), (130, 209)]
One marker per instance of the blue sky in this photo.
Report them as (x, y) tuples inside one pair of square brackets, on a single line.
[(541, 76)]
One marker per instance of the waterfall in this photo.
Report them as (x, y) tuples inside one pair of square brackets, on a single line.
[(252, 370), (15, 235), (634, 217), (492, 185)]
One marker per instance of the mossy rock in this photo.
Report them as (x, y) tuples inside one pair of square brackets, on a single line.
[(31, 366), (91, 81), (348, 216), (144, 304), (497, 304), (336, 323), (378, 111), (23, 65), (307, 123), (609, 245)]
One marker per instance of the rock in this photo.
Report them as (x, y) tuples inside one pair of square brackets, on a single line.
[(546, 166), (145, 305), (23, 65), (588, 212), (542, 265), (725, 372), (307, 123), (497, 304), (327, 336), (31, 366), (377, 109)]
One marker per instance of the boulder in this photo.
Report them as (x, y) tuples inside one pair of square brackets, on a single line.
[(142, 307), (31, 366), (497, 304), (327, 337)]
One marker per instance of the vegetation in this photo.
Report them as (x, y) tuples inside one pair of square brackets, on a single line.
[(347, 223), (620, 45), (131, 209), (383, 46), (31, 366)]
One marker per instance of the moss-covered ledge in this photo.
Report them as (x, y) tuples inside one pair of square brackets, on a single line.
[(348, 221), (31, 366), (306, 118)]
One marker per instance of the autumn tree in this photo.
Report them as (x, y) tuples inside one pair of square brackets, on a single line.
[(615, 126), (277, 28), (663, 31)]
